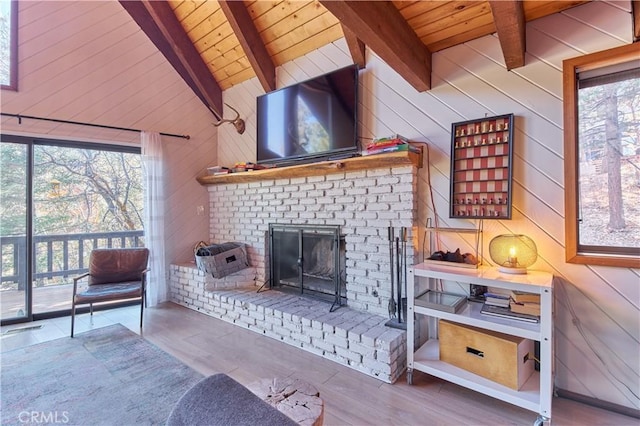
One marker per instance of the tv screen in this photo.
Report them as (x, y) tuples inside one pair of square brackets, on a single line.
[(310, 121)]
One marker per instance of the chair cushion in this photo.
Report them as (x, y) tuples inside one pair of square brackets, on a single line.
[(106, 292), (220, 400), (108, 266)]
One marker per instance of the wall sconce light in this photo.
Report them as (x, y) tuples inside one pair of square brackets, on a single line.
[(513, 253)]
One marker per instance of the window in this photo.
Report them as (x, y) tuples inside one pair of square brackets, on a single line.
[(602, 157), (9, 44)]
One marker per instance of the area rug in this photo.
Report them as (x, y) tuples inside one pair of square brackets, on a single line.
[(107, 376)]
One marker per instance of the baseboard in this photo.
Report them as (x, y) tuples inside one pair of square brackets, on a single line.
[(598, 403)]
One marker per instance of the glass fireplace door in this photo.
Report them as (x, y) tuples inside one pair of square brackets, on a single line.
[(308, 260)]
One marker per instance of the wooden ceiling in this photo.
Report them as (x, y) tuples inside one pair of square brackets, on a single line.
[(217, 44)]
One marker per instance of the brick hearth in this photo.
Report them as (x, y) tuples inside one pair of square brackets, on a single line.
[(356, 339)]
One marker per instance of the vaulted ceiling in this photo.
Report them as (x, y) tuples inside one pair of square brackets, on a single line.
[(217, 44)]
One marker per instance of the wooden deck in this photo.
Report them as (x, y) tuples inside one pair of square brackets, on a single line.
[(45, 299)]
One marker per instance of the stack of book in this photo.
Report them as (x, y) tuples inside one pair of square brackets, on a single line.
[(517, 305), (502, 312), (246, 166), (218, 170), (389, 144), (497, 299), (525, 303)]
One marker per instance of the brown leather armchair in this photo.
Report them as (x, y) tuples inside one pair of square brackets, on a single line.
[(114, 274)]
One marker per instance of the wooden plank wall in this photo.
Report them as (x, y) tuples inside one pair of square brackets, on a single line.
[(90, 62), (597, 308)]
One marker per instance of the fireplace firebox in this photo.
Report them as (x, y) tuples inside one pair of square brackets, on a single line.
[(308, 260)]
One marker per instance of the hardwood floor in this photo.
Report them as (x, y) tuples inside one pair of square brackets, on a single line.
[(212, 346)]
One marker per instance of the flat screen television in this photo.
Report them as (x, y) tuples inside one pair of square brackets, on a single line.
[(310, 121)]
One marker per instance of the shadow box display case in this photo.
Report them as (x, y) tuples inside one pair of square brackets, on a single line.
[(481, 168)]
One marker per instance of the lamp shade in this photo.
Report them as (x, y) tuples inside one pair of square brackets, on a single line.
[(513, 253)]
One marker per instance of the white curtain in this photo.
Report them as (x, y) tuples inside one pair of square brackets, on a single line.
[(153, 164)]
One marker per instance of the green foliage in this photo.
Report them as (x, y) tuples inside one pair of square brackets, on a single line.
[(5, 42), (13, 189), (592, 111), (84, 191), (74, 190), (608, 149)]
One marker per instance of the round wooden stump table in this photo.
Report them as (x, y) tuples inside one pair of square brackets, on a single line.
[(295, 398)]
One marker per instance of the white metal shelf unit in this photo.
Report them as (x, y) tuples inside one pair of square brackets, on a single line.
[(537, 392)]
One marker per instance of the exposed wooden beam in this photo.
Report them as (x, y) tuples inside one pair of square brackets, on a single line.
[(635, 11), (508, 16), (251, 42), (160, 24), (381, 27), (356, 47)]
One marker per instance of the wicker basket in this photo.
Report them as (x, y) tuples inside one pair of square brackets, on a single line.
[(221, 260)]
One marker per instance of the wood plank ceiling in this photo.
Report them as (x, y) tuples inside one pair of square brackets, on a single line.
[(217, 44)]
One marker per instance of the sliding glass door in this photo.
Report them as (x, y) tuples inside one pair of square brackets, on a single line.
[(60, 200)]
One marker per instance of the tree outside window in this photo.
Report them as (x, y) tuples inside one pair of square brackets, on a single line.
[(74, 191), (602, 157), (86, 190)]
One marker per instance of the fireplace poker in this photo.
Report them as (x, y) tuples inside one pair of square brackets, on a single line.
[(395, 307), (398, 278), (404, 266), (392, 302)]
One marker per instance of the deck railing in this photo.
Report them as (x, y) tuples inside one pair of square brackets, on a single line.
[(58, 255)]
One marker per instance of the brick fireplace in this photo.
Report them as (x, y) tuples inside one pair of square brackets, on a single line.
[(364, 197)]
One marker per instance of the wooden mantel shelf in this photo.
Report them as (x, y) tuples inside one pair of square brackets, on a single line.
[(393, 159)]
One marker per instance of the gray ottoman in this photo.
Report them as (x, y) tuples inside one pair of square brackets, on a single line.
[(220, 400)]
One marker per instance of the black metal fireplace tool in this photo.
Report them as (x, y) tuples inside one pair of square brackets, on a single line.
[(397, 309)]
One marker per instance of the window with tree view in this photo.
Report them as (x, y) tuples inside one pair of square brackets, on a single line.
[(86, 190), (602, 164), (8, 44)]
